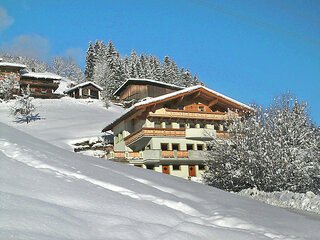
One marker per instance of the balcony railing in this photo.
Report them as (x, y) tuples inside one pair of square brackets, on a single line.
[(151, 132), (140, 155), (182, 114), (223, 134)]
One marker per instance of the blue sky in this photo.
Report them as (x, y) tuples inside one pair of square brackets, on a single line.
[(251, 50)]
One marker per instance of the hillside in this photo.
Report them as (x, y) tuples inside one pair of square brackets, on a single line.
[(64, 121), (49, 192)]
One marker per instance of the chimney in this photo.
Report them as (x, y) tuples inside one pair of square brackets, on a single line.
[(33, 70)]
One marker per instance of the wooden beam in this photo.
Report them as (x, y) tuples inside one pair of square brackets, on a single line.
[(153, 108), (180, 99), (213, 102), (196, 95)]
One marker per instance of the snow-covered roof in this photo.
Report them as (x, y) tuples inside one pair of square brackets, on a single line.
[(82, 85), (173, 94), (45, 75), (141, 81), (7, 64)]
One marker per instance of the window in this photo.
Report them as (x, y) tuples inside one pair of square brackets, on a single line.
[(168, 125), (202, 167), (201, 125), (216, 127), (201, 108), (181, 108), (164, 147), (175, 146), (200, 147), (182, 125), (192, 125), (176, 167), (189, 147), (157, 124)]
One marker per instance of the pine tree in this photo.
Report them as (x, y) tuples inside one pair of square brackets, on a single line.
[(8, 84), (90, 62), (24, 106), (273, 150)]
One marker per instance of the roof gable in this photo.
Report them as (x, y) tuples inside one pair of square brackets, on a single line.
[(83, 85), (197, 92)]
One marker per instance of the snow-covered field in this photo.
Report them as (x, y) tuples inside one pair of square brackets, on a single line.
[(64, 121), (47, 192)]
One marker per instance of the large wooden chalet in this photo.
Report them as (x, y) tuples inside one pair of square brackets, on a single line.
[(42, 85), (168, 133)]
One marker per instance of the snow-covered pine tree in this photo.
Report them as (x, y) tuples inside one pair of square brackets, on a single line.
[(273, 150), (167, 72), (134, 65), (24, 106), (90, 62), (8, 86), (175, 77)]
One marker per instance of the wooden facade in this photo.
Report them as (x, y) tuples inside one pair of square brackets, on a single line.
[(137, 89), (169, 134), (85, 90), (41, 85), (137, 92), (8, 70)]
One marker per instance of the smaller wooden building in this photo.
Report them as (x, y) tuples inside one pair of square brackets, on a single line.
[(137, 89), (85, 90), (42, 85)]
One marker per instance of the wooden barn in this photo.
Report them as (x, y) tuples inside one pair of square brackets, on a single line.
[(42, 85), (137, 89), (85, 90)]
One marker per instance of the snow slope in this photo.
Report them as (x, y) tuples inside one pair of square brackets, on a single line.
[(64, 121), (51, 193)]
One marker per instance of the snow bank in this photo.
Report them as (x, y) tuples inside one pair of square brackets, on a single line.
[(49, 193), (301, 201)]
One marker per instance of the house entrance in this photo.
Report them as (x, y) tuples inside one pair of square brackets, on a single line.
[(165, 169), (192, 171)]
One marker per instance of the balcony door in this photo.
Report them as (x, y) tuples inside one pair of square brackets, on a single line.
[(165, 169), (192, 171)]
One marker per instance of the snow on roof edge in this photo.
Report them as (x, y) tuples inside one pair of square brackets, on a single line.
[(82, 85), (8, 64), (46, 75), (147, 80), (185, 90)]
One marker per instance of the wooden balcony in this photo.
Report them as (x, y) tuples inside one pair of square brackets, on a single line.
[(174, 154), (167, 154), (151, 132), (182, 114), (223, 134)]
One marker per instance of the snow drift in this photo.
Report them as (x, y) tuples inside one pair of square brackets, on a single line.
[(304, 201), (51, 193)]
